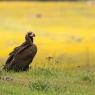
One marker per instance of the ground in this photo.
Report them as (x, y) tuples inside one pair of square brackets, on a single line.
[(77, 81), (65, 38)]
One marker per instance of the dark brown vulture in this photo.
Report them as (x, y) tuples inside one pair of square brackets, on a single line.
[(20, 58)]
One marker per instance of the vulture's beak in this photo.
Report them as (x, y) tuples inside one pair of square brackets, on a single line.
[(32, 35)]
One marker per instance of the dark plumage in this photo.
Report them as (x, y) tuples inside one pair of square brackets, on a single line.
[(20, 58)]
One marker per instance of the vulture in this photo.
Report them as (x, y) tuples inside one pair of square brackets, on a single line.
[(21, 57)]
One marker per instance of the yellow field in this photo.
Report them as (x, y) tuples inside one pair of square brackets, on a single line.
[(61, 28)]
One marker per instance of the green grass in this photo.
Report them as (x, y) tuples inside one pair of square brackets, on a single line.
[(38, 81)]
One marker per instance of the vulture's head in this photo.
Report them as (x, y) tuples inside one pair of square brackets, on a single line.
[(29, 36)]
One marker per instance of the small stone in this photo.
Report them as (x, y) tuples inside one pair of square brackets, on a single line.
[(7, 78)]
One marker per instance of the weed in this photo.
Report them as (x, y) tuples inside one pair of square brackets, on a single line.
[(86, 78), (39, 85)]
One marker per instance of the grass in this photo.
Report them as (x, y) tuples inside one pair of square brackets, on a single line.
[(77, 81)]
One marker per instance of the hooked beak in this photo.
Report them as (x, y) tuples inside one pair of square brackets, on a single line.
[(32, 35)]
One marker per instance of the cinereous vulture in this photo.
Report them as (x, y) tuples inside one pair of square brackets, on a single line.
[(20, 58)]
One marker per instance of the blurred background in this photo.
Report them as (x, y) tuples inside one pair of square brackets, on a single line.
[(65, 31)]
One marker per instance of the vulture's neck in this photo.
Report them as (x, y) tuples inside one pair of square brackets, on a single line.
[(29, 41)]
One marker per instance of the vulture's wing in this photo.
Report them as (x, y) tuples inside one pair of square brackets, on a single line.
[(15, 52), (11, 55)]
